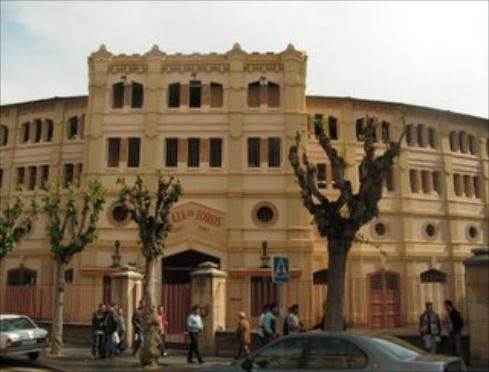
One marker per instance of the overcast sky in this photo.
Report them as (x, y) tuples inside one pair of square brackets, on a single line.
[(431, 54)]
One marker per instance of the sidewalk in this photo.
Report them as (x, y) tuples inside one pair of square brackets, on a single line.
[(77, 358)]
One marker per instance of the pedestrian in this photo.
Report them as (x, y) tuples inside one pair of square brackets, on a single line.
[(291, 321), (162, 324), (430, 328), (261, 332), (98, 322), (110, 330), (243, 334), (455, 324), (137, 322), (121, 330), (270, 323), (194, 329)]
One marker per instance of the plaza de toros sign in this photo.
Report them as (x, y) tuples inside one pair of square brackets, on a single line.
[(196, 219)]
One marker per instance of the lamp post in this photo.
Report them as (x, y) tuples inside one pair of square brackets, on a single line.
[(265, 258), (116, 258)]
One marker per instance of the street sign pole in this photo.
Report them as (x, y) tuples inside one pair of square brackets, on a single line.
[(280, 276)]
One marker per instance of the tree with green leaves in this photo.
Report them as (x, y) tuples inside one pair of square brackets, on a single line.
[(340, 220), (15, 222), (150, 212), (71, 226)]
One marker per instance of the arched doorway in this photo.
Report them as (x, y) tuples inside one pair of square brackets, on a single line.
[(384, 299), (176, 290), (21, 293)]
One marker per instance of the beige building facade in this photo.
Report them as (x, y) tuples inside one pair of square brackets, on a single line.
[(223, 124)]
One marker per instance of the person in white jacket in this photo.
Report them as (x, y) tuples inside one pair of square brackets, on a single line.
[(194, 329)]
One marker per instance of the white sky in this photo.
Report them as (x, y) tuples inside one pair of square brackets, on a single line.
[(431, 54)]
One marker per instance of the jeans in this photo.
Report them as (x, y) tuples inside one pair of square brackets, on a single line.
[(455, 343), (138, 342), (430, 343), (98, 345), (110, 346), (194, 347)]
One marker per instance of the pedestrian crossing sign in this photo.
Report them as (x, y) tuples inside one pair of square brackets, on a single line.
[(280, 269)]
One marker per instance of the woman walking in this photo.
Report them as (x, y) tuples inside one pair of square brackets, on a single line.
[(243, 334), (163, 323)]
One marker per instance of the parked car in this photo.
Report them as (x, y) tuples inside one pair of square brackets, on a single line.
[(20, 335), (324, 351)]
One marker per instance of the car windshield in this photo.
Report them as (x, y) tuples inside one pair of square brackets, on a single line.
[(15, 324), (398, 349)]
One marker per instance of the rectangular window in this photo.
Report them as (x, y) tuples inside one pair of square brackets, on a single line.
[(171, 150), (477, 187), (437, 182), (386, 136), (414, 180), (468, 186), (273, 95), (359, 129), (274, 152), (195, 94), (432, 138), (333, 127), (426, 181), (137, 95), (263, 292), (193, 152), (134, 149), (20, 176), (318, 122), (321, 168), (457, 184), (32, 178), (174, 95), (25, 132), (114, 148), (389, 180), (254, 94), (72, 127), (215, 152), (44, 176), (254, 152), (68, 174), (216, 95), (50, 131), (118, 95)]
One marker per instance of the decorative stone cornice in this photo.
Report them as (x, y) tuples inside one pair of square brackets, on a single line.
[(195, 67), (128, 68), (263, 67)]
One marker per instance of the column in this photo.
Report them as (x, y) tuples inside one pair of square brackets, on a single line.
[(209, 291)]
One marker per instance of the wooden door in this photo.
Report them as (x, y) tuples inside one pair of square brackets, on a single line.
[(384, 300)]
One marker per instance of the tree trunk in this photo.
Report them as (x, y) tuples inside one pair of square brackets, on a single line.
[(58, 305), (333, 319), (150, 352)]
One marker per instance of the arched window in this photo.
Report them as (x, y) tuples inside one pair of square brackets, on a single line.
[(386, 131), (174, 95), (432, 137), (216, 95), (359, 129), (457, 184), (421, 135), (414, 180), (25, 132), (72, 128), (463, 142), (118, 95), (273, 94), (477, 187), (454, 144), (254, 94), (21, 276), (3, 135), (472, 145), (468, 186), (137, 98), (37, 130), (410, 135)]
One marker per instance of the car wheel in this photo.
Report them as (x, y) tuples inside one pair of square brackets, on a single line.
[(33, 356)]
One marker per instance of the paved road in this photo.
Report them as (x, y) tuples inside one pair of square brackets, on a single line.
[(21, 364)]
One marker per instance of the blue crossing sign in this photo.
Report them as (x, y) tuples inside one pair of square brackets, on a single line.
[(280, 269)]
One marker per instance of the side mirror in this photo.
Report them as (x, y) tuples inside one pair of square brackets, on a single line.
[(247, 364)]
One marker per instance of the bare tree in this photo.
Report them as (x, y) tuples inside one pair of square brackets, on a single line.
[(151, 214), (70, 227), (339, 220)]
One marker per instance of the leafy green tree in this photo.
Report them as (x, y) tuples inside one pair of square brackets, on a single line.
[(151, 214), (341, 219), (15, 222), (71, 226)]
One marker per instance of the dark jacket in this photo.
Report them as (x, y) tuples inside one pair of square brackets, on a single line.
[(456, 320), (98, 321), (137, 321), (111, 321)]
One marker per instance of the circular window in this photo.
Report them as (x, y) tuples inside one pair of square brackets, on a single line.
[(430, 230), (118, 214), (380, 229), (265, 214), (472, 232)]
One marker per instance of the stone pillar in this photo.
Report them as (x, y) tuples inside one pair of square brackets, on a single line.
[(209, 291), (127, 291), (477, 299)]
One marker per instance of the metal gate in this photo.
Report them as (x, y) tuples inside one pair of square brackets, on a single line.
[(385, 304), (176, 298)]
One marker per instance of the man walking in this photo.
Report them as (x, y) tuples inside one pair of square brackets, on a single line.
[(291, 321), (270, 323), (243, 334), (110, 328), (98, 322), (455, 324), (194, 329), (430, 327), (261, 331), (137, 321)]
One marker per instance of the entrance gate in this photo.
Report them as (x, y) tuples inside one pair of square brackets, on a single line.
[(176, 291), (385, 306)]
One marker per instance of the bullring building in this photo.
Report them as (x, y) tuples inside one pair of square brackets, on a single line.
[(223, 124)]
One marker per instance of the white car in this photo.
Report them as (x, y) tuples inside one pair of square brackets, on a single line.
[(20, 335)]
